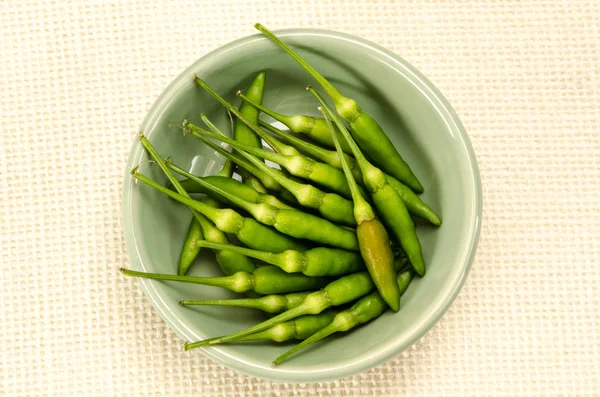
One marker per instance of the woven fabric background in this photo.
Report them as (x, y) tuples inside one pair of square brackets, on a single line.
[(77, 78)]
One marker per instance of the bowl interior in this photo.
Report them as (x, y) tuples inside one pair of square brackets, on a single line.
[(419, 122)]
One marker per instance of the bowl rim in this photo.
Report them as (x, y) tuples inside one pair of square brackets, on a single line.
[(382, 355)]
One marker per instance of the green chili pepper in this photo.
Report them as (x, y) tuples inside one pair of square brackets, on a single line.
[(190, 250), (299, 328), (316, 129), (336, 293), (247, 230), (227, 169), (263, 280), (298, 165), (268, 303), (241, 133), (369, 135), (414, 204), (388, 202), (290, 221), (404, 278), (230, 185), (363, 311), (229, 262), (320, 261), (366, 309), (330, 205), (372, 238)]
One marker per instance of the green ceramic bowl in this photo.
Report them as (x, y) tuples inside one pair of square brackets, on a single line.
[(419, 121)]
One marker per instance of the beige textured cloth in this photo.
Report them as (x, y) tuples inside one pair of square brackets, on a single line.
[(76, 79)]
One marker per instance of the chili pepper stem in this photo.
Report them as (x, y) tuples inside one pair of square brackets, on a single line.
[(239, 282), (267, 257), (207, 210), (345, 106)]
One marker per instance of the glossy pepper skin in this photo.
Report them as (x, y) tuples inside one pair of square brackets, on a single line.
[(292, 222), (388, 202), (241, 132), (298, 165), (368, 133), (363, 311), (377, 254), (414, 204), (372, 236), (190, 250), (338, 292), (330, 205), (315, 262)]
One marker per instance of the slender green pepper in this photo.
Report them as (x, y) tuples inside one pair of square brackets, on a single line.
[(247, 230), (263, 280), (230, 185), (320, 261), (363, 311), (404, 278), (414, 204), (314, 128), (330, 205), (372, 238), (227, 169), (298, 165), (290, 221), (268, 303), (367, 132), (336, 293), (241, 133), (190, 250), (299, 328), (388, 202), (229, 262)]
